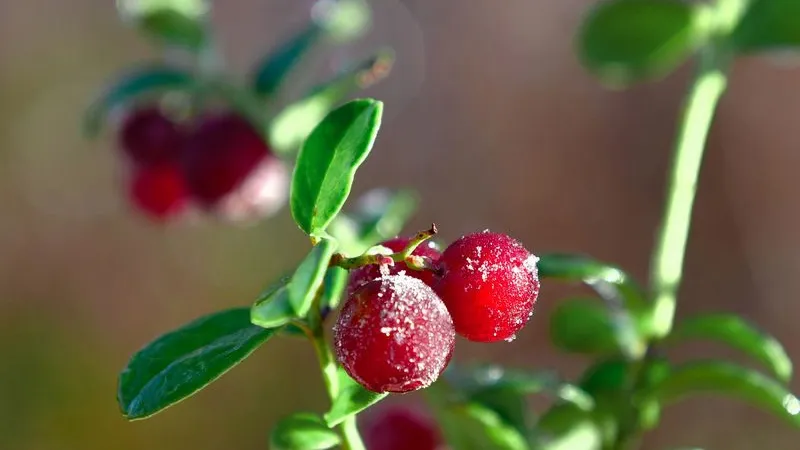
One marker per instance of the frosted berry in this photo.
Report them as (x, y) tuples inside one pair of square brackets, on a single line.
[(370, 272), (401, 428), (149, 137), (225, 156), (489, 284), (394, 334), (159, 191)]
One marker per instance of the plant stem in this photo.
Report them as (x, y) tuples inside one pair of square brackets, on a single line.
[(668, 255), (350, 436), (412, 261)]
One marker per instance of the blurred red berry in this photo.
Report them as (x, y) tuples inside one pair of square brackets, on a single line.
[(221, 156), (401, 428), (370, 272), (489, 284), (149, 137), (160, 191), (394, 334)]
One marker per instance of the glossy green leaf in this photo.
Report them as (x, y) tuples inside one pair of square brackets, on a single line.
[(144, 81), (309, 276), (328, 160), (769, 25), (294, 123), (582, 326), (352, 399), (335, 284), (624, 298), (737, 333), (712, 377), (180, 363), (302, 431), (628, 40), (273, 70), (273, 308), (490, 377)]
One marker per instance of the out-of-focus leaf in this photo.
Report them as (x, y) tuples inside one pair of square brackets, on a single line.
[(737, 333), (630, 40), (566, 427), (769, 25), (273, 70), (302, 431), (352, 399), (343, 20), (583, 326), (172, 22), (138, 83), (713, 377)]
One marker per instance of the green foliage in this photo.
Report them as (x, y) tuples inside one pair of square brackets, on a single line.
[(309, 276), (714, 377), (328, 160), (582, 326), (302, 431), (179, 23), (623, 41), (352, 399), (142, 82), (289, 128), (769, 25), (180, 363), (275, 67), (273, 307), (737, 333)]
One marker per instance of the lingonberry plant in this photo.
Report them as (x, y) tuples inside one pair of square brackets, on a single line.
[(395, 304)]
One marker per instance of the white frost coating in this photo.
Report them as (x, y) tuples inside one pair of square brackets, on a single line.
[(530, 265), (394, 335)]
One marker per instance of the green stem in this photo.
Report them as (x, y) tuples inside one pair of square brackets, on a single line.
[(350, 436), (413, 262), (668, 256)]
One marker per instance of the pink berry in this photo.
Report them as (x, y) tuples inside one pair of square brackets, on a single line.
[(149, 137), (394, 334), (401, 428), (159, 191), (370, 272), (221, 156), (489, 284)]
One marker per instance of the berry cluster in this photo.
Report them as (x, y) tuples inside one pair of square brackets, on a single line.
[(218, 162), (396, 331)]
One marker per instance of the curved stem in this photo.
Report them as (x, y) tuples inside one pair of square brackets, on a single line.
[(668, 256), (350, 436)]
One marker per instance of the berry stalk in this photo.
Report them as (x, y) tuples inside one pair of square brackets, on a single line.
[(405, 255), (351, 439)]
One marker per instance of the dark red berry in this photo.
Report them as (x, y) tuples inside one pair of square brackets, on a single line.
[(149, 137), (489, 284), (159, 191), (394, 334), (372, 271), (221, 155), (401, 428)]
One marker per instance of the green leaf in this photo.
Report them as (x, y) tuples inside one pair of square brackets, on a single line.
[(309, 276), (605, 376), (293, 125), (180, 363), (566, 427), (712, 377), (628, 40), (352, 399), (172, 22), (273, 308), (624, 298), (737, 333), (490, 377), (302, 431), (144, 81), (583, 326), (343, 20), (328, 160), (472, 426), (335, 284), (769, 25), (272, 71)]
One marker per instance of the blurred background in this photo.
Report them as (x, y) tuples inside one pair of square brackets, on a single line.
[(488, 114)]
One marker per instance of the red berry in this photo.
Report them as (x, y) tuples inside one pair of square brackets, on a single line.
[(370, 272), (221, 155), (401, 429), (489, 284), (149, 137), (394, 334), (160, 191)]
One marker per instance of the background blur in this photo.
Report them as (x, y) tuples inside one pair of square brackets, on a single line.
[(489, 115)]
